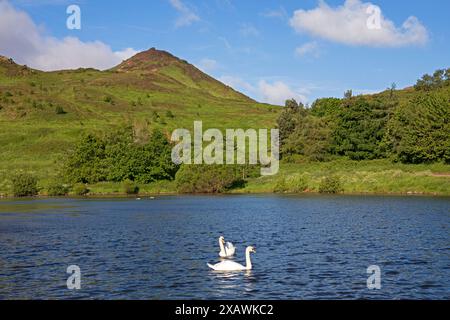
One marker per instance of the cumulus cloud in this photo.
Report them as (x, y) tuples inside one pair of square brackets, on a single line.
[(352, 24), (187, 16), (278, 92), (309, 48), (25, 42), (274, 93)]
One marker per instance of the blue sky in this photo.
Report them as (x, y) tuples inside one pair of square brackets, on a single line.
[(265, 48)]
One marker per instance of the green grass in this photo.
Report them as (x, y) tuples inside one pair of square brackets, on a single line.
[(363, 177), (374, 177)]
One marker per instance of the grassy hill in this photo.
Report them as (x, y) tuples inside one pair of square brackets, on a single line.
[(43, 113)]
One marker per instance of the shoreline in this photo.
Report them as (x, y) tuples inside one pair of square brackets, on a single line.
[(233, 193), (374, 177)]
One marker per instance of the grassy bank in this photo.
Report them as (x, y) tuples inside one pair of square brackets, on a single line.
[(373, 177), (354, 177)]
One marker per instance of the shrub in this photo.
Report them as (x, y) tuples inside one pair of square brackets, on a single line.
[(292, 184), (280, 186), (207, 178), (130, 187), (57, 190), (80, 189), (331, 184), (24, 185)]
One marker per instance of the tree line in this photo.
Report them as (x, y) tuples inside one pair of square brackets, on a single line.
[(413, 128)]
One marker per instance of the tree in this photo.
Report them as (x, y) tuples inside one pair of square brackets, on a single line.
[(120, 156), (392, 89), (87, 162), (440, 78), (359, 129), (348, 94), (420, 130), (312, 139), (326, 107), (289, 119), (447, 76)]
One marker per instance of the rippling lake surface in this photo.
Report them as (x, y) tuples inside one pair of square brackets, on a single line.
[(308, 247)]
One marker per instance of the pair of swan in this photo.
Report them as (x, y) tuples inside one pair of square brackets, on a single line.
[(227, 249)]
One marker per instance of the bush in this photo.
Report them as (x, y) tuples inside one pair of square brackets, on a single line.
[(24, 185), (130, 187), (117, 157), (331, 184), (292, 184), (57, 190), (207, 178), (280, 186), (80, 189)]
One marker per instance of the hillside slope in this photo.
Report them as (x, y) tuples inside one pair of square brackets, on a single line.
[(43, 113)]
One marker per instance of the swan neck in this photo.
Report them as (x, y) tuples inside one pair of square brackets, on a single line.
[(222, 249), (248, 260)]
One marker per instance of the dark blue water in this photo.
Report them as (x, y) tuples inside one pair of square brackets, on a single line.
[(308, 247)]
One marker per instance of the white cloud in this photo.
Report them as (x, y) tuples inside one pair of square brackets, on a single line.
[(187, 16), (309, 48), (23, 41), (208, 65), (274, 93), (348, 24), (278, 92)]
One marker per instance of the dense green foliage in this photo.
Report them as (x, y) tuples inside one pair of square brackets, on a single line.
[(439, 79), (24, 185), (119, 156), (56, 189), (80, 189), (208, 178), (130, 187), (359, 130), (290, 119), (291, 184), (419, 132), (411, 128), (325, 107), (331, 184)]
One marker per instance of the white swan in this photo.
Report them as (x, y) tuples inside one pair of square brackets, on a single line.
[(228, 265), (227, 249)]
